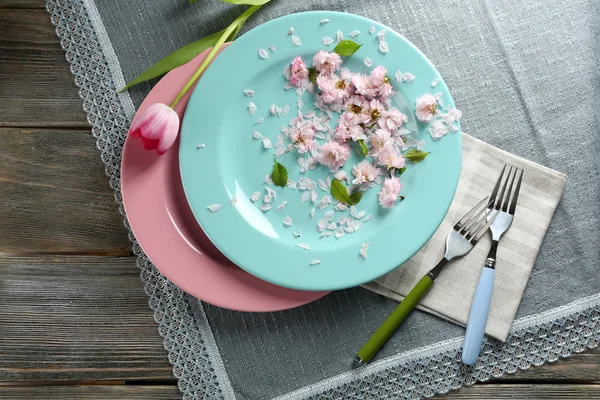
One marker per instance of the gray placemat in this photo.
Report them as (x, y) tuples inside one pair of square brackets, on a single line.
[(523, 74)]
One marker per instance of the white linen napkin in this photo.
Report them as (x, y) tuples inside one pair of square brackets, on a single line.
[(451, 295)]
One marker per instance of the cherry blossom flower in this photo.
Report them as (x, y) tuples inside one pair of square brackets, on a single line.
[(389, 192), (349, 129), (392, 119), (389, 158), (450, 118), (426, 107), (379, 139), (333, 89), (157, 126), (375, 109), (364, 86), (438, 129), (364, 172), (333, 155), (304, 138), (298, 72), (327, 63)]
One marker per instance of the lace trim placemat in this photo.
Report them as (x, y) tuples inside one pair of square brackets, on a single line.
[(187, 336)]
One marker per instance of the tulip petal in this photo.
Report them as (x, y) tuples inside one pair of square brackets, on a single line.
[(149, 144), (169, 135)]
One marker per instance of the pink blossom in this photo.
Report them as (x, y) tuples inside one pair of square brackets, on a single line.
[(426, 107), (379, 140), (392, 119), (298, 72), (341, 176), (327, 63), (333, 155), (374, 110), (377, 76), (364, 86), (389, 192), (349, 129), (450, 118), (304, 138), (438, 129), (364, 172), (388, 158), (333, 89), (157, 126)]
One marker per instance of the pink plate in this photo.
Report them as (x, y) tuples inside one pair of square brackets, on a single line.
[(166, 229)]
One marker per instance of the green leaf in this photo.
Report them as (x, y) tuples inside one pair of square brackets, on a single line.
[(362, 148), (279, 175), (312, 74), (247, 2), (192, 1), (401, 170), (346, 48), (416, 155), (355, 198), (176, 59), (340, 193)]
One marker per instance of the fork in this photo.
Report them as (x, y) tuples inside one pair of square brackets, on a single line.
[(464, 235), (505, 205)]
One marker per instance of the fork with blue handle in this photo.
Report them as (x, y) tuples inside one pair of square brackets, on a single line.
[(462, 238), (504, 202)]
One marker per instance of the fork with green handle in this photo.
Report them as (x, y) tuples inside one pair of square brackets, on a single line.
[(461, 239)]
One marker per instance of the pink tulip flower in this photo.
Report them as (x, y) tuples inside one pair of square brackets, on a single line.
[(157, 126)]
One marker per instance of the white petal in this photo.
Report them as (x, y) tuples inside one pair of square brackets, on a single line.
[(305, 196), (311, 185), (324, 21), (297, 234), (249, 92), (288, 86), (300, 103), (214, 207), (357, 225), (363, 250), (329, 215), (255, 196), (300, 91), (259, 121), (303, 246), (360, 215), (340, 206), (274, 110), (271, 192), (353, 211), (285, 109), (382, 33), (435, 82), (287, 221), (267, 199), (233, 201), (257, 135), (339, 36), (291, 31), (265, 207), (267, 143), (383, 47), (279, 152), (339, 233), (291, 184), (368, 62), (312, 213), (332, 226), (272, 48), (313, 196), (327, 41), (368, 218), (323, 185), (321, 225), (201, 146), (329, 180), (315, 262), (251, 108), (408, 77), (354, 33), (263, 54), (378, 180), (296, 41), (349, 229), (324, 202), (326, 234), (398, 77), (268, 180), (372, 30)]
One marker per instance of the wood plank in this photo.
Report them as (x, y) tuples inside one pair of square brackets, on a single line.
[(55, 196), (77, 318), (22, 4), (37, 88), (525, 391), (99, 392)]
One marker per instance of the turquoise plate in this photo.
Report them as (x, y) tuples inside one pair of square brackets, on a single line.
[(233, 163)]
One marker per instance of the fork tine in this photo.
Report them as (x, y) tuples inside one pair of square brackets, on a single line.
[(498, 203), (495, 191), (475, 219), (464, 219), (513, 205), (510, 187), (479, 233)]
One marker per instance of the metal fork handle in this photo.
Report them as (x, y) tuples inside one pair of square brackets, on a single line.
[(479, 314)]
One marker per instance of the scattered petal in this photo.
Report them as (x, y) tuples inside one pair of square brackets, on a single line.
[(329, 215), (291, 184), (263, 54), (281, 206), (201, 146), (233, 200), (321, 225), (312, 213), (326, 234), (291, 31), (288, 86), (327, 41), (279, 152), (324, 202), (408, 77), (323, 185), (368, 62), (274, 110), (339, 233), (257, 135), (300, 103), (305, 196), (353, 211), (265, 207), (267, 143), (435, 82), (259, 121), (354, 33), (296, 41), (340, 206), (349, 229), (267, 199), (363, 250), (303, 246), (268, 180), (381, 34), (339, 36), (324, 21), (383, 47), (214, 207), (315, 262), (398, 77), (368, 218), (313, 196), (249, 92), (287, 221), (311, 185), (372, 30), (297, 234), (251, 108), (272, 48), (285, 109), (332, 226), (255, 196), (360, 215)]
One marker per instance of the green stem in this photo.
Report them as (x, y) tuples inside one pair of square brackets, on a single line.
[(230, 29)]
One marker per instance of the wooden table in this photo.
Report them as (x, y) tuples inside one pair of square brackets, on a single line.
[(74, 318)]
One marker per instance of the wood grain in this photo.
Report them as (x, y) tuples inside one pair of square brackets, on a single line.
[(55, 196), (97, 392), (37, 88), (22, 4), (77, 318)]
